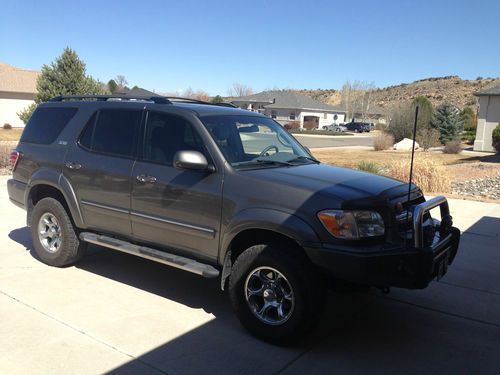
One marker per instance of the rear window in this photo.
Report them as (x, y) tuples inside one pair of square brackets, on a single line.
[(115, 132), (46, 124)]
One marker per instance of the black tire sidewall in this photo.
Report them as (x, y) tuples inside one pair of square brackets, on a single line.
[(70, 249)]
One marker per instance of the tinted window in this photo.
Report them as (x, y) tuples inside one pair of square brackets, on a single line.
[(46, 124), (114, 132), (88, 132), (166, 134)]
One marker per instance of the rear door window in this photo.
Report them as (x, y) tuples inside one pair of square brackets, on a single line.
[(112, 131), (46, 124)]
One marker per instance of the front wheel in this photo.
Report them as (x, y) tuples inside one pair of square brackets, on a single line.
[(275, 294)]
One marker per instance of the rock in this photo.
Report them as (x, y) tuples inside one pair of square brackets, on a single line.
[(405, 145)]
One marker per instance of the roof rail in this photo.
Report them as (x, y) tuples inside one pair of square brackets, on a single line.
[(154, 99), (190, 100), (226, 104)]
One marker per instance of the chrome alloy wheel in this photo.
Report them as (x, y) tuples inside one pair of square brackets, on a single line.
[(269, 295), (49, 232)]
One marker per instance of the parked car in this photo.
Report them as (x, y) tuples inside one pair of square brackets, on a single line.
[(223, 193), (335, 128), (358, 127)]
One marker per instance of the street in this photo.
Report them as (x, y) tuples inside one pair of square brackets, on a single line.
[(321, 141), (116, 313)]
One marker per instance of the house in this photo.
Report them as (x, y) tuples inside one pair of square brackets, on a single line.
[(287, 107), (374, 115), (136, 91), (488, 118), (17, 91)]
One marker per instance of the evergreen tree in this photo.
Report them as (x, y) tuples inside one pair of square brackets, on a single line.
[(65, 76), (448, 121), (217, 99), (112, 86)]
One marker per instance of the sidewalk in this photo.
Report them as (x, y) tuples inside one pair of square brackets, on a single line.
[(117, 313)]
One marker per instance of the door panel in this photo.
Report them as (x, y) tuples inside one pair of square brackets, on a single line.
[(177, 208), (99, 168)]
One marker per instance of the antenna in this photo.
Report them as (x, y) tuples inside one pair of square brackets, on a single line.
[(411, 166)]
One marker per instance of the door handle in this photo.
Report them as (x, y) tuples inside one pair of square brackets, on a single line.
[(72, 165), (144, 178)]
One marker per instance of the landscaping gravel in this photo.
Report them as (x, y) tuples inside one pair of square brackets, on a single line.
[(482, 187)]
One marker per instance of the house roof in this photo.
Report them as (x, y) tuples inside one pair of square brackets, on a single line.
[(138, 91), (13, 79), (288, 100), (493, 91)]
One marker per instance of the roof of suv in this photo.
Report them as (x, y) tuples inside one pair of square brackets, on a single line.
[(199, 107)]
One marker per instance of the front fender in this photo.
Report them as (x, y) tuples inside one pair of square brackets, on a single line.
[(268, 219), (58, 181)]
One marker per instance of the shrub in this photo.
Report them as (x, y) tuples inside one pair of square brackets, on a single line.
[(468, 137), (427, 174), (383, 141), (292, 125), (428, 137), (469, 119), (7, 126), (496, 138), (4, 156), (452, 147), (369, 166)]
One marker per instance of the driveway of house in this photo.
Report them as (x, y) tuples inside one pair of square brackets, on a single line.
[(121, 314)]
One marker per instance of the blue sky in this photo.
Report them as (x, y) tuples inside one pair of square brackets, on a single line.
[(173, 45)]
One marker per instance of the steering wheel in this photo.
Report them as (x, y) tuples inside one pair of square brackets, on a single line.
[(268, 148)]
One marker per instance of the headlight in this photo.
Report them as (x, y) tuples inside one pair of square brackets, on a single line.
[(352, 225)]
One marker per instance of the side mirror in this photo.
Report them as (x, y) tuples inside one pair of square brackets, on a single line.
[(191, 160)]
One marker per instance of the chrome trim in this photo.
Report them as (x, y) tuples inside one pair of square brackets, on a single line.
[(418, 216), (89, 203), (167, 221)]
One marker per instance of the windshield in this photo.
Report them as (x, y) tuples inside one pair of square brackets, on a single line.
[(250, 141)]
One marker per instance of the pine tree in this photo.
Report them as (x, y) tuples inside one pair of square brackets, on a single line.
[(65, 76), (448, 121), (217, 99), (112, 86)]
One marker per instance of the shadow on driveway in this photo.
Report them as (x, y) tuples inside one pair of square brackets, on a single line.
[(451, 327)]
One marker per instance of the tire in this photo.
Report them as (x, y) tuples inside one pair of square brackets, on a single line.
[(307, 294), (63, 248)]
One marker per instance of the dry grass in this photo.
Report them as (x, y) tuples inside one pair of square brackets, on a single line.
[(4, 156), (383, 141), (10, 135), (427, 174)]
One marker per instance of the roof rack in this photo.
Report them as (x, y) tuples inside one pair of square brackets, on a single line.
[(155, 99)]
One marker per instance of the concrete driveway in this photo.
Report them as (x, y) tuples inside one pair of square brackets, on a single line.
[(120, 314)]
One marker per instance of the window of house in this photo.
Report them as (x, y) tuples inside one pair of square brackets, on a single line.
[(273, 114), (324, 115), (112, 131), (292, 115), (166, 134), (46, 124)]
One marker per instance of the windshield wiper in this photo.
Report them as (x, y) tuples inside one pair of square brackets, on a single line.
[(310, 158), (263, 162)]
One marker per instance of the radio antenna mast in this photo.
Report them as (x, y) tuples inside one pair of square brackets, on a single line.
[(412, 157)]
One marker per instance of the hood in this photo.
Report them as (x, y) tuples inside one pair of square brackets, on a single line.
[(343, 183)]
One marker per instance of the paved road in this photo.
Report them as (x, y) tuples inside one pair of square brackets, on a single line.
[(334, 141), (116, 313)]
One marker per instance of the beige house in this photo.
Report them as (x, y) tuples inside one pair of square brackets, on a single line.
[(287, 106), (488, 118), (17, 91)]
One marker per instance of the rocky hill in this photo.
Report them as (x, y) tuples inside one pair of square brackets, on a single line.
[(438, 90)]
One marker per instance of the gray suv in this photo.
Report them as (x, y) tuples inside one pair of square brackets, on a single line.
[(221, 192)]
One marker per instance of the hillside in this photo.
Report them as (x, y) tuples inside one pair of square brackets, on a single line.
[(438, 90)]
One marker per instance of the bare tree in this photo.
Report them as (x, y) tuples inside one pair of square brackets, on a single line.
[(239, 89), (357, 98), (121, 81)]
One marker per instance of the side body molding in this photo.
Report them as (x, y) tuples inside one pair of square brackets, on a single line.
[(57, 180)]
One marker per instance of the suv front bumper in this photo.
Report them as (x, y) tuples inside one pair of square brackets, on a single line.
[(412, 267)]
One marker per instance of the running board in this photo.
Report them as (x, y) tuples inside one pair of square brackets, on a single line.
[(176, 261)]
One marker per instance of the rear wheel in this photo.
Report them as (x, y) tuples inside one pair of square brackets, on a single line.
[(275, 294), (54, 237)]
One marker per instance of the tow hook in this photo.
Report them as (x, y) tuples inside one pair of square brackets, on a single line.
[(385, 289)]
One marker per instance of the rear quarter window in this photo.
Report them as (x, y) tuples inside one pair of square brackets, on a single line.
[(46, 124)]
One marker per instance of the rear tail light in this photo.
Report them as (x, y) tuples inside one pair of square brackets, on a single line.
[(14, 159)]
